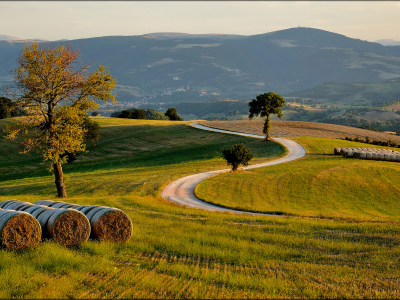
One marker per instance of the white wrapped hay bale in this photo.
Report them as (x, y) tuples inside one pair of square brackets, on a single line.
[(18, 230), (111, 224), (68, 227)]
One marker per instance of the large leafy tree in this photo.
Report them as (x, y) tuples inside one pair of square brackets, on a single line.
[(56, 91), (264, 105)]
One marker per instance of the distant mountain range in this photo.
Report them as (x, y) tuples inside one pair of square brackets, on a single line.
[(176, 67), (17, 39), (9, 37), (388, 42)]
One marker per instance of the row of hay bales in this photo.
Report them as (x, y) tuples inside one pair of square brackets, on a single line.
[(70, 224), (368, 153)]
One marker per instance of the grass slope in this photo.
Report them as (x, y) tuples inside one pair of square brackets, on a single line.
[(319, 185), (178, 252)]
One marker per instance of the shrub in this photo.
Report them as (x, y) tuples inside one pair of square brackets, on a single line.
[(367, 140), (138, 114), (127, 114), (237, 155), (172, 114), (392, 143)]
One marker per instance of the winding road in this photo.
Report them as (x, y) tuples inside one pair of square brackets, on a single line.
[(181, 191)]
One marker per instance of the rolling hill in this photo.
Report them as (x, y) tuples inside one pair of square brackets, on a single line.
[(177, 67)]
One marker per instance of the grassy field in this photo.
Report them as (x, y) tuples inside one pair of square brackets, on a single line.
[(319, 185), (178, 252)]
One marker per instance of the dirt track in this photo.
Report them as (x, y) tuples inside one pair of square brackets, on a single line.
[(181, 191), (298, 128)]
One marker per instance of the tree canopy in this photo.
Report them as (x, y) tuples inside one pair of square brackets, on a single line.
[(150, 114), (264, 105), (237, 155), (138, 114), (172, 114), (56, 91), (6, 108)]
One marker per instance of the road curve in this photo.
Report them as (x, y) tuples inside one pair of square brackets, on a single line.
[(181, 191)]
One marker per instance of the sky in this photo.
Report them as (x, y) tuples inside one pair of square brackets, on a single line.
[(52, 20)]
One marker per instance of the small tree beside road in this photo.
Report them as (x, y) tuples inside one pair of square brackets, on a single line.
[(264, 105), (237, 155)]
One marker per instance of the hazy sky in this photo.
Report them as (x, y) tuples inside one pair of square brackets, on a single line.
[(79, 19)]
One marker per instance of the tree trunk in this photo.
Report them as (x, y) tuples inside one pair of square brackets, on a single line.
[(266, 129), (61, 188)]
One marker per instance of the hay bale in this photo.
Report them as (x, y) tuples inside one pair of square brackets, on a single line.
[(9, 202), (39, 211), (393, 157), (111, 224), (93, 211), (369, 155), (43, 202), (59, 205), (16, 205), (86, 209), (73, 206), (386, 157), (19, 230), (31, 209), (43, 218), (54, 203), (79, 207), (4, 211), (381, 156), (348, 154), (375, 156), (336, 151), (397, 158), (4, 203), (23, 208), (68, 227)]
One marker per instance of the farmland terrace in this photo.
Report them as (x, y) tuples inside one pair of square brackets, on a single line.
[(299, 128)]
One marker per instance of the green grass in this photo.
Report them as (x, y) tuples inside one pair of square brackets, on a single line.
[(178, 252), (319, 185)]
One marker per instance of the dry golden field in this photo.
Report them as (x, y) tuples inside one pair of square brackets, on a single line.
[(299, 128)]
